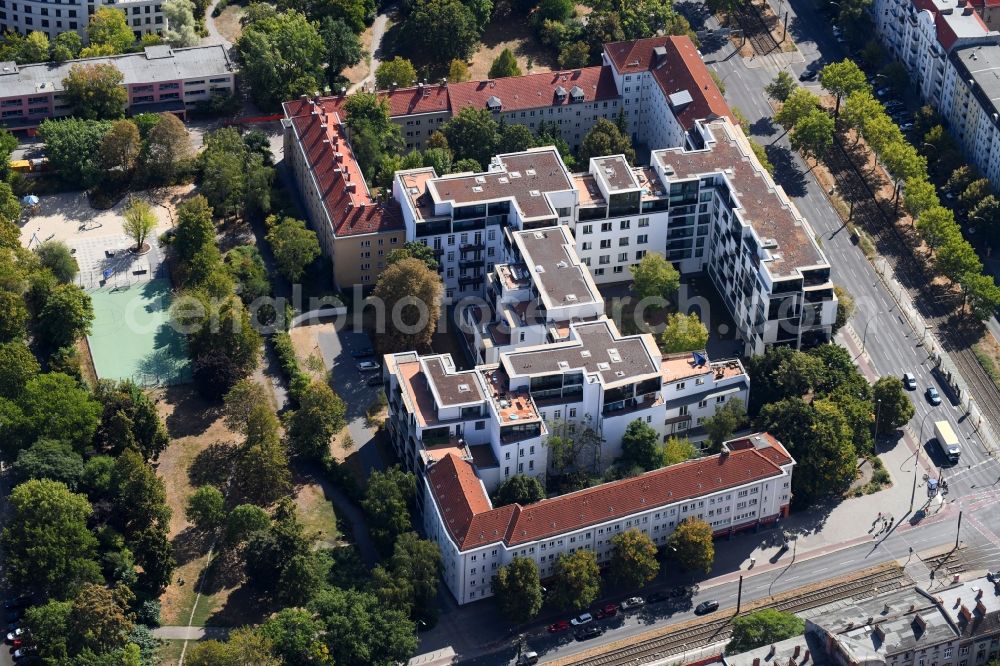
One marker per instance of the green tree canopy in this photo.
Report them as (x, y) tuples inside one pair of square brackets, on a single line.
[(799, 103), (893, 406), (386, 502), (655, 277), (362, 631), (504, 64), (412, 296), (633, 559), (120, 148), (296, 637), (294, 245), (73, 148), (395, 73), (577, 580), (518, 589), (58, 258), (410, 578), (48, 459), (46, 543), (108, 27), (691, 544), (95, 91), (128, 420), (206, 507), (781, 87), (519, 489), (606, 138), (17, 367), (282, 55), (813, 134), (343, 47), (440, 31), (727, 419), (472, 134), (761, 627), (842, 78), (319, 417), (641, 446), (415, 250), (56, 406), (65, 317), (683, 333)]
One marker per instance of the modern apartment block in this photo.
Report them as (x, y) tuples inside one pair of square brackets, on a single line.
[(746, 485), (159, 79), (954, 57), (24, 16)]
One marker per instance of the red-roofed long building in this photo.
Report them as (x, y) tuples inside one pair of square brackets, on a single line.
[(746, 485)]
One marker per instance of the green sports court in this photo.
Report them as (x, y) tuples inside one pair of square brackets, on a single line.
[(132, 337)]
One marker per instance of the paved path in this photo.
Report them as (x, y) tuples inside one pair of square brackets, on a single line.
[(214, 36), (378, 32), (191, 633)]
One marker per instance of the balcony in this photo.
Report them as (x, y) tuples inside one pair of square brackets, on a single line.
[(472, 247), (470, 263), (472, 279)]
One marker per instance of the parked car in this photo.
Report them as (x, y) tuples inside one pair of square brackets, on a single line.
[(608, 610), (581, 619), (706, 607), (368, 366), (363, 352), (909, 381), (633, 602), (933, 396), (374, 381), (561, 625), (657, 597), (24, 653), (527, 658), (587, 633), (809, 74), (16, 633)]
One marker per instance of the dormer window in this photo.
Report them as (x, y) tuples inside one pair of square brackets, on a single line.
[(576, 94), (560, 93), (494, 104)]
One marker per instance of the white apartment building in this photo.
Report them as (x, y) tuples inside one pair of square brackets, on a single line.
[(954, 58), (24, 16), (746, 485)]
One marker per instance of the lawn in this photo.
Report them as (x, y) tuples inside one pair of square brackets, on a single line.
[(514, 33)]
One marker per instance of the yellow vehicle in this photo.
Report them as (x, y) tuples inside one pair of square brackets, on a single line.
[(21, 166)]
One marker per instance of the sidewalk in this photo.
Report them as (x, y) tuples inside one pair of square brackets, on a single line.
[(191, 633)]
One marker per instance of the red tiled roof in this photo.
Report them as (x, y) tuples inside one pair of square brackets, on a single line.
[(534, 90), (463, 504), (341, 184), (684, 69), (402, 101), (634, 55)]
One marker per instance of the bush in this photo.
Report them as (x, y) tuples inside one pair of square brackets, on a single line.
[(297, 380)]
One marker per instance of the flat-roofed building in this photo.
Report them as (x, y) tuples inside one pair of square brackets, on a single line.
[(144, 17), (746, 485), (160, 78)]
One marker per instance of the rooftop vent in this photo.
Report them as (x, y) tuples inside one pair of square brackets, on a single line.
[(585, 353), (619, 373), (529, 172), (769, 243), (539, 235), (563, 365), (515, 174), (603, 366), (464, 388), (614, 355), (539, 269), (561, 264), (534, 193), (480, 179), (414, 190), (476, 188), (571, 298), (503, 180)]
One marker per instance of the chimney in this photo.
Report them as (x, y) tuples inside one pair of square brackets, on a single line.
[(920, 621), (795, 652), (979, 592), (772, 651), (350, 187), (806, 657), (756, 661), (965, 612)]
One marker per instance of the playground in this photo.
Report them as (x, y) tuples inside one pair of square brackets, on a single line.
[(132, 337)]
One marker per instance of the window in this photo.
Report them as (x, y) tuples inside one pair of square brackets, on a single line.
[(572, 412), (625, 224), (619, 269), (606, 226), (643, 238), (585, 246), (605, 244), (604, 259), (623, 242), (587, 229), (643, 222), (681, 385), (480, 425), (639, 254), (623, 256)]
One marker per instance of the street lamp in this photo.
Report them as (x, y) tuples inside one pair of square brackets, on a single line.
[(916, 460), (878, 413)]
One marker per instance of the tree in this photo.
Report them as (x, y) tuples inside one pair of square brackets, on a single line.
[(684, 333), (17, 367), (677, 450), (798, 105), (282, 55), (415, 250), (73, 147), (893, 407), (206, 507), (55, 406), (518, 589), (903, 161), (35, 47), (395, 73), (761, 154), (655, 277), (362, 631), (819, 438), (633, 559), (109, 27), (577, 580), (120, 147), (195, 232), (975, 192), (605, 138), (243, 521), (48, 459), (813, 134), (261, 469), (956, 257), (319, 417), (296, 637), (246, 266), (47, 545), (504, 64), (139, 495), (410, 578), (845, 307), (727, 419), (936, 226), (781, 87), (519, 489), (985, 216), (223, 176), (140, 221), (182, 27), (641, 446), (225, 346), (919, 194), (386, 503), (58, 258), (240, 402), (981, 291), (295, 247), (66, 46), (13, 319), (49, 627), (244, 647), (761, 627), (574, 55), (373, 134), (343, 47), (95, 91), (99, 619), (960, 179), (411, 294), (842, 78), (859, 107), (514, 138), (441, 31), (554, 10), (167, 147), (692, 546), (472, 133), (128, 420), (65, 317)]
